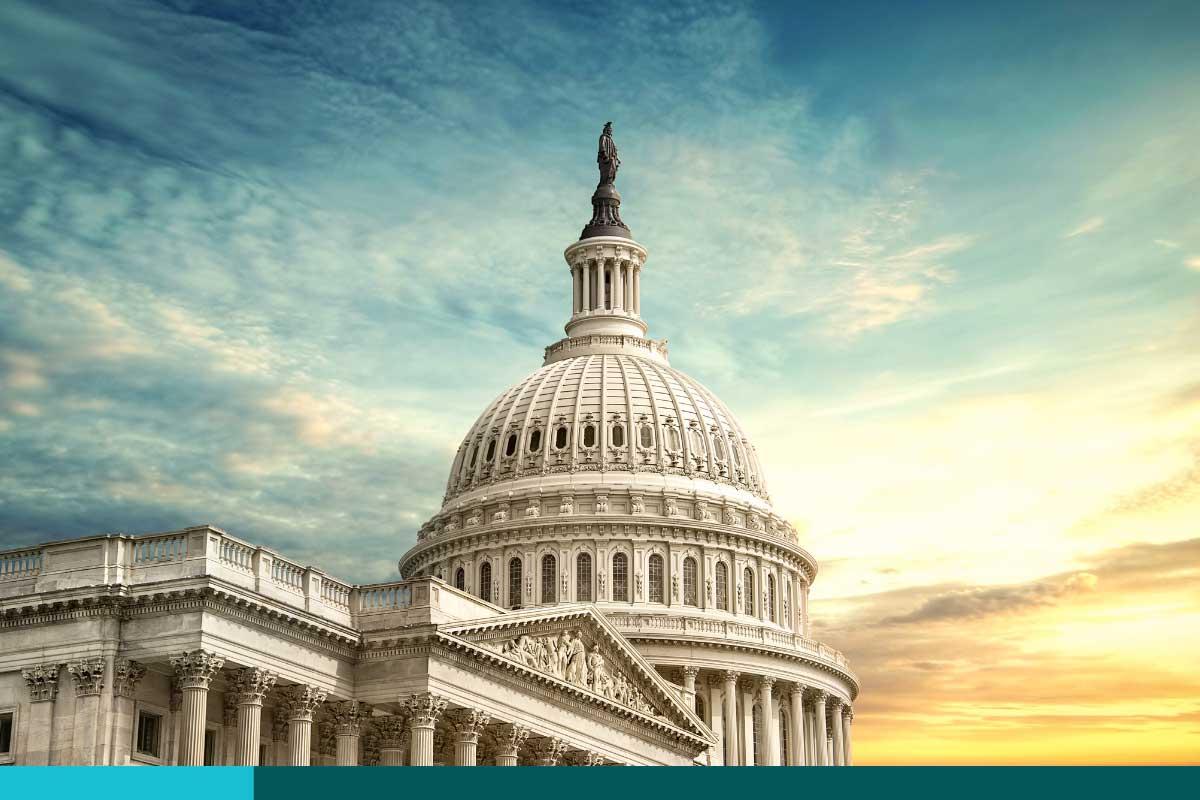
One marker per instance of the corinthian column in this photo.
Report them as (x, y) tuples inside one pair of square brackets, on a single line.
[(796, 722), (126, 676), (393, 739), (468, 723), (770, 721), (348, 717), (689, 686), (42, 681), (848, 717), (509, 739), (548, 750), (89, 684), (731, 719), (195, 670), (251, 686), (424, 711), (835, 712), (822, 735), (300, 701)]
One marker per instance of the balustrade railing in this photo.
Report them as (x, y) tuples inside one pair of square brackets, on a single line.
[(160, 549), (335, 593), (384, 597), (20, 564), (236, 554), (287, 574)]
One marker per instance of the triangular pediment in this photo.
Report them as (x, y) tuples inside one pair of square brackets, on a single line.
[(579, 648)]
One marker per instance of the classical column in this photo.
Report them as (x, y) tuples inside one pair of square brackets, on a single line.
[(251, 684), (547, 750), (835, 713), (175, 708), (847, 718), (509, 739), (300, 701), (689, 686), (89, 684), (42, 681), (747, 732), (796, 735), (126, 676), (770, 722), (716, 720), (195, 670), (348, 717), (821, 734), (587, 286), (618, 285), (424, 710), (731, 719), (468, 723), (576, 292), (602, 288), (393, 734), (637, 289)]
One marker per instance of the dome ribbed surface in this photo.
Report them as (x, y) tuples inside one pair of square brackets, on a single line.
[(611, 412)]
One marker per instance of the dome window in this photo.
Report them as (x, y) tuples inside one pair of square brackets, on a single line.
[(655, 568), (491, 450), (673, 440), (618, 435), (646, 434), (474, 456), (510, 446), (718, 447), (560, 437), (589, 435), (737, 455), (696, 441), (535, 440)]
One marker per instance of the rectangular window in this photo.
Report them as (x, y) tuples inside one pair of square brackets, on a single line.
[(149, 734), (6, 732), (210, 748)]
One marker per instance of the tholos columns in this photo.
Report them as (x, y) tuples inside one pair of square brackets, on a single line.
[(424, 711), (716, 719), (796, 720), (393, 734), (250, 686), (848, 752), (770, 722), (300, 701), (731, 719), (509, 739), (348, 717), (821, 735), (835, 712), (468, 724), (548, 750), (42, 681), (689, 686), (195, 670)]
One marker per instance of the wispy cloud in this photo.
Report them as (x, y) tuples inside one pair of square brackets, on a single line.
[(1084, 228)]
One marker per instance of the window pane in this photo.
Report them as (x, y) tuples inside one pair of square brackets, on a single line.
[(210, 748), (6, 730), (514, 583), (689, 582), (460, 578), (618, 435), (560, 437), (656, 579), (722, 586), (748, 590), (771, 597), (510, 446), (535, 440), (491, 450), (647, 434), (583, 577), (485, 582), (549, 579), (589, 435), (149, 726), (620, 577)]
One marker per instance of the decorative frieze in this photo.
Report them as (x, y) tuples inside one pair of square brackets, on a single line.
[(42, 681), (88, 674)]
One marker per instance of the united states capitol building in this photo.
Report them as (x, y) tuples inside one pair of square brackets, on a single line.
[(606, 583)]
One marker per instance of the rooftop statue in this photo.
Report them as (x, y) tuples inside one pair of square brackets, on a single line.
[(607, 158)]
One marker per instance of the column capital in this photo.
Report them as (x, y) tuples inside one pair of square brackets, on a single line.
[(766, 682), (731, 676), (301, 700), (348, 716), (799, 689), (252, 684), (196, 668), (425, 709), (393, 731), (88, 674), (126, 676), (818, 695), (834, 702), (848, 713), (468, 723), (594, 759), (42, 680), (547, 750), (691, 672), (509, 737)]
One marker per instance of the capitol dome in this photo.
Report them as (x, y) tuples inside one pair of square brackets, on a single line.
[(610, 479)]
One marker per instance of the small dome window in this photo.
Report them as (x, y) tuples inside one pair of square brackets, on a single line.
[(474, 455), (535, 440), (560, 437), (673, 440), (618, 435), (491, 449), (510, 446), (589, 435), (647, 435), (737, 455), (696, 441), (718, 447)]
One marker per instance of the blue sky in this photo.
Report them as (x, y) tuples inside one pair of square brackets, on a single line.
[(261, 265)]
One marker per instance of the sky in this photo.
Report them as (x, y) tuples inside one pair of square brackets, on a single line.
[(261, 266)]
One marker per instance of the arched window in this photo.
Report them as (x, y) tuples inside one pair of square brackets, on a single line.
[(722, 586), (485, 581), (460, 579), (646, 432), (561, 437), (514, 583), (549, 579), (787, 602), (689, 582), (656, 578), (583, 577), (474, 455), (673, 440), (618, 435), (589, 435), (491, 450), (784, 725), (748, 592), (620, 578), (535, 440), (758, 737), (771, 597), (701, 711), (510, 446)]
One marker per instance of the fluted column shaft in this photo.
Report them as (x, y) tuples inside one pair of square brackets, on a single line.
[(822, 734), (347, 748), (637, 290), (770, 722), (796, 721), (839, 754), (731, 719), (195, 670), (300, 741), (689, 686), (392, 732), (424, 711), (849, 753), (249, 729), (587, 286), (468, 725)]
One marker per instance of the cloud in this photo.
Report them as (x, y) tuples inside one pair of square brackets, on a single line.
[(1193, 263), (979, 602), (1167, 244), (13, 276), (1084, 228)]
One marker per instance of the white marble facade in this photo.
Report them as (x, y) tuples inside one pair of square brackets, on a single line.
[(606, 583)]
